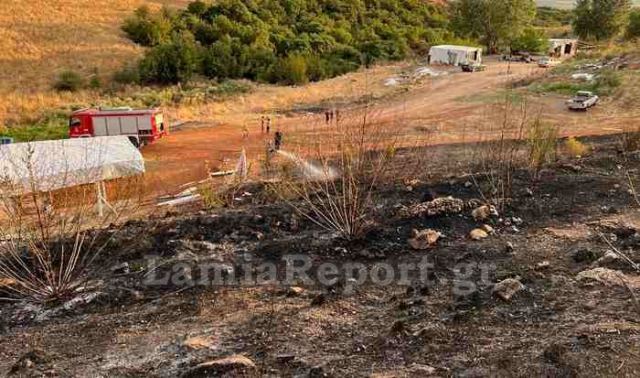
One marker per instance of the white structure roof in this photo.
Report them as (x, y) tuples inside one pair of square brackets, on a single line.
[(56, 164), (454, 47)]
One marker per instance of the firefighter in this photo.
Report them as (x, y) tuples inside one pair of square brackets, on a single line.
[(277, 140), (262, 121), (326, 116), (268, 119)]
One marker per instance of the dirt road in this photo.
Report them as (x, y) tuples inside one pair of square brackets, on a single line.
[(446, 109)]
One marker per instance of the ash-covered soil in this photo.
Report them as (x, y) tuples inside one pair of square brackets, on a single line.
[(573, 309)]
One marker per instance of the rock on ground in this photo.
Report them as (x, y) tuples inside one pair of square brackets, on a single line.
[(508, 288), (484, 212), (424, 239), (478, 234), (234, 365), (609, 277)]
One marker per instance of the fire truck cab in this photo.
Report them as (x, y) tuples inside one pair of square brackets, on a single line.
[(142, 126)]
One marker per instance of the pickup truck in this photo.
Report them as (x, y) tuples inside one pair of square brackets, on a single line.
[(583, 100)]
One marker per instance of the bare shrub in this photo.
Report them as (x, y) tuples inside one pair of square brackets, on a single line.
[(50, 239), (542, 140), (496, 156), (631, 140), (339, 170)]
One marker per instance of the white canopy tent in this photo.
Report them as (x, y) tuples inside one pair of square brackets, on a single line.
[(56, 164), (454, 55)]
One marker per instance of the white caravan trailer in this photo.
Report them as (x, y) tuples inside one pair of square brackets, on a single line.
[(455, 55)]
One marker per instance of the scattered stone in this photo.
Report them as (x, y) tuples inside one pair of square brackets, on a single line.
[(285, 358), (70, 305), (509, 247), (609, 258), (121, 268), (468, 184), (478, 234), (439, 206), (508, 288), (31, 364), (590, 305), (543, 265), (572, 167), (609, 277), (574, 233), (488, 229), (236, 364), (295, 291), (527, 192), (197, 343), (424, 239), (422, 370), (484, 212)]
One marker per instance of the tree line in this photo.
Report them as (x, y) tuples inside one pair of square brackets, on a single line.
[(296, 41), (281, 41)]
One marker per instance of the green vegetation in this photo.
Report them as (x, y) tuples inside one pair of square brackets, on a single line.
[(600, 19), (282, 41), (633, 29), (500, 97), (53, 126), (531, 40), (553, 17), (605, 83), (69, 81), (497, 23)]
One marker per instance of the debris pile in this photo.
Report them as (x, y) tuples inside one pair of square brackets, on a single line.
[(439, 206)]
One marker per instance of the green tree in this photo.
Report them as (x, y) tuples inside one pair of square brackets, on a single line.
[(172, 62), (600, 19), (287, 41), (531, 40), (633, 29), (494, 22), (147, 28)]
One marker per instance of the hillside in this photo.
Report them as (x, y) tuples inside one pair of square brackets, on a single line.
[(39, 38)]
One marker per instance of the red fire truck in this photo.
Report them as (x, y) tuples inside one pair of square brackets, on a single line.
[(143, 126)]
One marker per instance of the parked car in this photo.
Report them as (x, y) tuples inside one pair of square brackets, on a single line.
[(547, 62), (524, 57), (472, 67), (583, 100)]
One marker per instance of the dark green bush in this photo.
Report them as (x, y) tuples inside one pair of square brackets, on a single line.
[(70, 81), (172, 62), (147, 28), (286, 41), (633, 29), (129, 74)]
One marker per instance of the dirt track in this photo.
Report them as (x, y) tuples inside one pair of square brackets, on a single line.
[(458, 107)]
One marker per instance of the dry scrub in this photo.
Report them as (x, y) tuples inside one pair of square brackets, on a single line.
[(50, 240), (330, 178)]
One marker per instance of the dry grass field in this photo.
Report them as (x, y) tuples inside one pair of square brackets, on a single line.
[(39, 38)]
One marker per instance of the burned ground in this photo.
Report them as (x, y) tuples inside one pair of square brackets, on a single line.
[(558, 325)]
